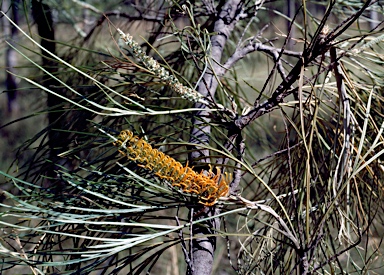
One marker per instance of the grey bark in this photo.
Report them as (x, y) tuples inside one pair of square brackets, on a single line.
[(204, 247), (224, 25), (375, 18)]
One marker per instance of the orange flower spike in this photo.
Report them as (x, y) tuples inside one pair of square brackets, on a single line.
[(209, 188), (125, 136), (166, 170), (144, 150), (158, 159), (196, 185)]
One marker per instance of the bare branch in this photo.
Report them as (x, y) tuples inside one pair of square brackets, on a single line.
[(184, 247), (240, 53), (237, 174), (231, 12), (229, 15), (318, 46)]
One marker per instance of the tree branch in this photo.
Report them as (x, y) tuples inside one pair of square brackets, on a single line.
[(229, 15), (318, 46), (251, 47), (204, 246)]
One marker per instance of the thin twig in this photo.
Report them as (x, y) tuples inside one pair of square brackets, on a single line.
[(237, 175), (184, 246), (229, 247)]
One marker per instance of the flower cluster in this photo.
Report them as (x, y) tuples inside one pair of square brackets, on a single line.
[(209, 188), (153, 66)]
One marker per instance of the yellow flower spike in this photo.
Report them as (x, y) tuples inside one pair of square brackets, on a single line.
[(208, 187)]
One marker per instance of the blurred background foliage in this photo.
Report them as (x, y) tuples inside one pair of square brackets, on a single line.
[(71, 204)]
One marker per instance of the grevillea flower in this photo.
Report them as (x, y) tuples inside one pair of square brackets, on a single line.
[(153, 66), (208, 187)]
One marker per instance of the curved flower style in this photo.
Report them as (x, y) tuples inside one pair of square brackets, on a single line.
[(209, 188)]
